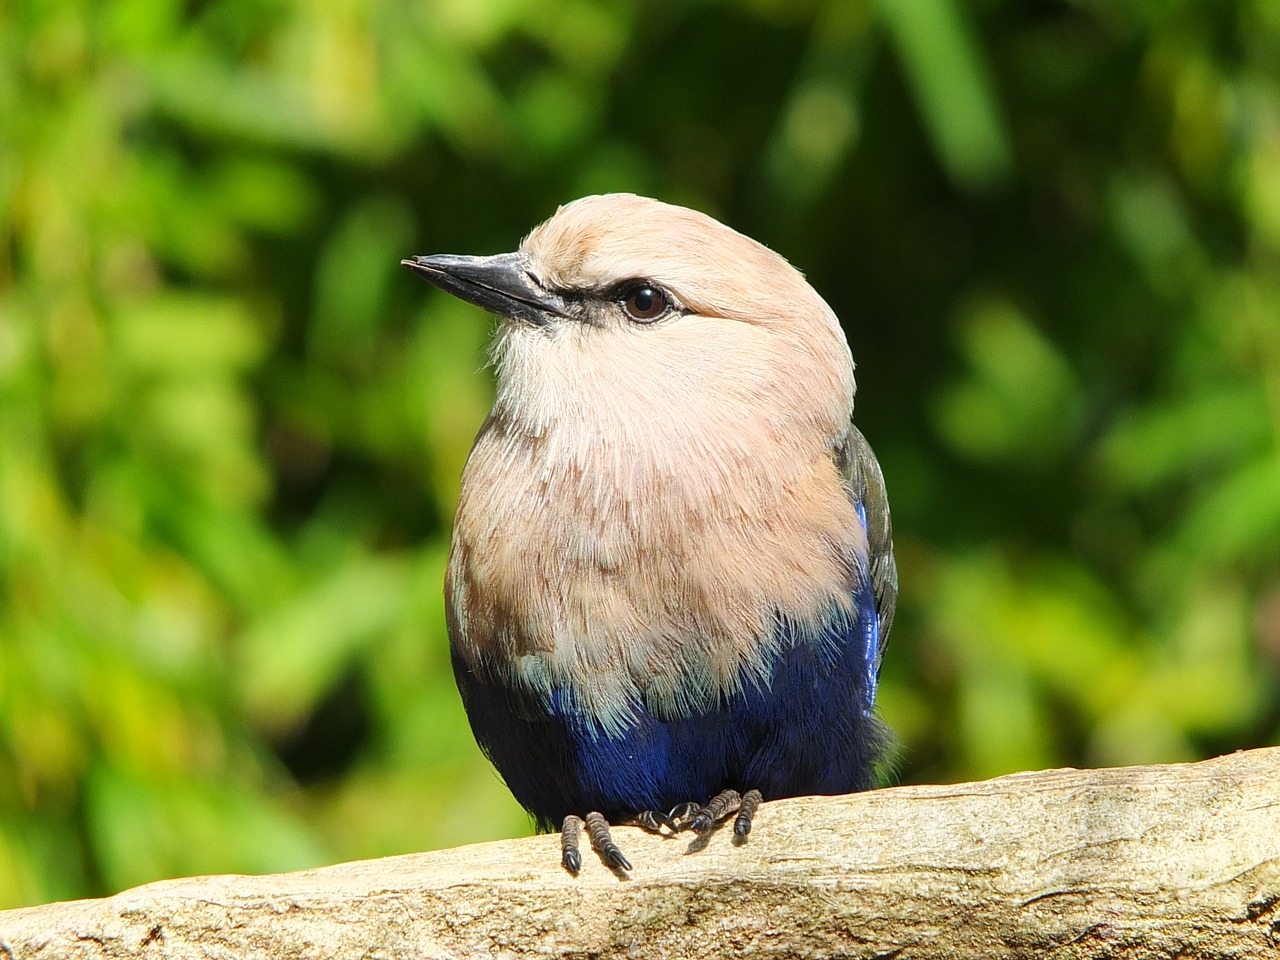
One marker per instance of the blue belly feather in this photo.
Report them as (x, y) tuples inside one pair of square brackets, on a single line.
[(810, 730)]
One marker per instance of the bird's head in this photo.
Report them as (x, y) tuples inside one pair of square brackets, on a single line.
[(621, 309)]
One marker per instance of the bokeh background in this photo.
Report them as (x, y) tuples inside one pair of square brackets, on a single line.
[(231, 427)]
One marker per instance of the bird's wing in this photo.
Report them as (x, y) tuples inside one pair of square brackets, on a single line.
[(866, 486)]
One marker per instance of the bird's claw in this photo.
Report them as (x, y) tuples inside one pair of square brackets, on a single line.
[(674, 821), (654, 821), (682, 815), (570, 831), (746, 813), (601, 841)]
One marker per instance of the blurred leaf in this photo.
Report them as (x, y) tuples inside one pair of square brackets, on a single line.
[(1151, 223), (453, 93), (291, 657), (553, 114), (950, 82), (1262, 186), (1236, 517), (1168, 441), (821, 121), (1020, 398), (185, 335), (201, 92), (146, 827), (448, 390), (263, 193), (357, 265)]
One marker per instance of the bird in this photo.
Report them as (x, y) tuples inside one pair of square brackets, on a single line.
[(671, 579)]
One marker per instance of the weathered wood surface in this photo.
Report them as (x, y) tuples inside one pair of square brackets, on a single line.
[(1162, 861)]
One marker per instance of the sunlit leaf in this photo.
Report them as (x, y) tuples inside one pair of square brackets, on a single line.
[(950, 80)]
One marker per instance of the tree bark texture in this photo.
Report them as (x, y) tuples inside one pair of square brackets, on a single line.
[(1162, 861)]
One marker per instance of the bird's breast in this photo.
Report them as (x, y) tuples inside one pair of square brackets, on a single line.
[(614, 578)]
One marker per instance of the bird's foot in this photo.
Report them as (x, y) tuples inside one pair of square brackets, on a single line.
[(670, 823), (601, 841), (720, 806), (706, 818), (702, 819)]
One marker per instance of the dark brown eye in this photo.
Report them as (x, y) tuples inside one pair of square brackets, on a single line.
[(645, 303)]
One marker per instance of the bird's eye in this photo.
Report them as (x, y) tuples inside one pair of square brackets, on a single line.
[(644, 302)]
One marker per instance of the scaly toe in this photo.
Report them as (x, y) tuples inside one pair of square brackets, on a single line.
[(720, 806)]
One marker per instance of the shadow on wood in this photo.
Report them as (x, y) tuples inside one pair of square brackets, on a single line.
[(1180, 860)]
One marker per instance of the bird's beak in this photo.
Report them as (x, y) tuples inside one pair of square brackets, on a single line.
[(501, 284)]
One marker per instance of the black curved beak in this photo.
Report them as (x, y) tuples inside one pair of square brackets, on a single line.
[(501, 284)]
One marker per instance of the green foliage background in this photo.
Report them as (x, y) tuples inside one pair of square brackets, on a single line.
[(231, 427)]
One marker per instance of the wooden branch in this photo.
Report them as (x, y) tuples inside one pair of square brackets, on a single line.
[(1163, 861)]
